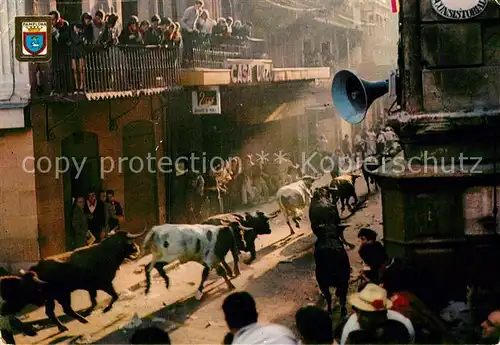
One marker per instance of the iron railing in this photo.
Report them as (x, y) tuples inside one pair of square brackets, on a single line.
[(114, 69), (213, 51)]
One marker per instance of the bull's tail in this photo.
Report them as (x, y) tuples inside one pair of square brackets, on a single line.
[(148, 241)]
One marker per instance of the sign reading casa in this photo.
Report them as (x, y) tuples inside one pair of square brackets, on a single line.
[(250, 71), (459, 9)]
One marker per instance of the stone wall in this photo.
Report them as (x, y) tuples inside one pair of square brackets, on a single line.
[(457, 61), (18, 204)]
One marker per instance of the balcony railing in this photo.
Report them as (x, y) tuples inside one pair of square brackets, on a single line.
[(213, 51), (115, 70)]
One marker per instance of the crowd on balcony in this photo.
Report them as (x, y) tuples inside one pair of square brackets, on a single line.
[(73, 42)]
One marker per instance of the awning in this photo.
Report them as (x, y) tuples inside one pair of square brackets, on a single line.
[(93, 96)]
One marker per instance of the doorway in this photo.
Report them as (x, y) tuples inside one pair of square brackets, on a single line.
[(141, 185), (83, 176)]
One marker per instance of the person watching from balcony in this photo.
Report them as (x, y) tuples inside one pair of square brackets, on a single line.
[(98, 26), (173, 36), (154, 34), (229, 22), (60, 64), (110, 34), (131, 35), (88, 31), (221, 28), (237, 29), (77, 44), (247, 29), (143, 28), (204, 24), (187, 24)]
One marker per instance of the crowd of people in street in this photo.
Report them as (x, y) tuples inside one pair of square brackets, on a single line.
[(245, 182), (97, 33)]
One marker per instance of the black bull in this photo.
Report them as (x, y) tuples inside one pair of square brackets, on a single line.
[(89, 268), (15, 294), (257, 221)]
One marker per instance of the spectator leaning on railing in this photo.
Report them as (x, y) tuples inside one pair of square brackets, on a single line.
[(86, 39)]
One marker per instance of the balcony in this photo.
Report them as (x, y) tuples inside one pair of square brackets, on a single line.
[(118, 71), (214, 51)]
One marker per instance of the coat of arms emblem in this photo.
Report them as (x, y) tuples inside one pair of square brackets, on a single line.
[(33, 38)]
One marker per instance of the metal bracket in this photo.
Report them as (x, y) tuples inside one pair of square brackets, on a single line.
[(49, 131), (157, 114), (113, 121)]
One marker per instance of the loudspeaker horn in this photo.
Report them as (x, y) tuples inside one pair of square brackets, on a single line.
[(352, 96)]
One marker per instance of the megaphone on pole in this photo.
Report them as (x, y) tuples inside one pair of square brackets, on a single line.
[(352, 96)]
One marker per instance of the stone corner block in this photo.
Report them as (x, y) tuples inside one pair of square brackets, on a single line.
[(457, 89), (443, 44)]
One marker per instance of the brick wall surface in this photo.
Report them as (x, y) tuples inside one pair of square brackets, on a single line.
[(89, 117)]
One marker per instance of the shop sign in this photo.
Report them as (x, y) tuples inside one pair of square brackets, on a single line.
[(206, 100), (251, 71), (459, 9)]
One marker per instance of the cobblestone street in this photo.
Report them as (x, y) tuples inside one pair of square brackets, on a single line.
[(281, 280)]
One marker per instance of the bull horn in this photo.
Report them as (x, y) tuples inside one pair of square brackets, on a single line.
[(133, 236), (39, 281), (273, 214), (244, 228)]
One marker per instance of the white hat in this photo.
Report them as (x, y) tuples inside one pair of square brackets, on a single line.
[(371, 298)]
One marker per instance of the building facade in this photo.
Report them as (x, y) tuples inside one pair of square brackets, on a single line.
[(56, 144)]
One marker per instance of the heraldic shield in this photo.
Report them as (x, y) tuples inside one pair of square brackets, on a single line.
[(34, 42)]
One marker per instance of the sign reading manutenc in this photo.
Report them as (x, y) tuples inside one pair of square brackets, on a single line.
[(459, 9)]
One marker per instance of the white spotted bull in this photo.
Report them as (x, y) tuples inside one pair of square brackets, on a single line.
[(203, 243), (294, 198)]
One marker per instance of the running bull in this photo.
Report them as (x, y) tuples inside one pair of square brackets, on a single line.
[(257, 222), (294, 198), (203, 243), (89, 268), (15, 294), (345, 184)]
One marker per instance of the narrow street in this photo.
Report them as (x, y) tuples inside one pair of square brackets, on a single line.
[(281, 280)]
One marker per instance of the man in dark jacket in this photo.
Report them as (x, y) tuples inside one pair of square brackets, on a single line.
[(154, 35), (61, 57), (96, 214)]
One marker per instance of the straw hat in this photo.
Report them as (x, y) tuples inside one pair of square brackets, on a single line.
[(371, 298)]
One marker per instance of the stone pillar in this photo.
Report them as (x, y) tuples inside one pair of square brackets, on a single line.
[(437, 211)]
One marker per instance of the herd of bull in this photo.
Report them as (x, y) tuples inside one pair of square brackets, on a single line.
[(94, 267)]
